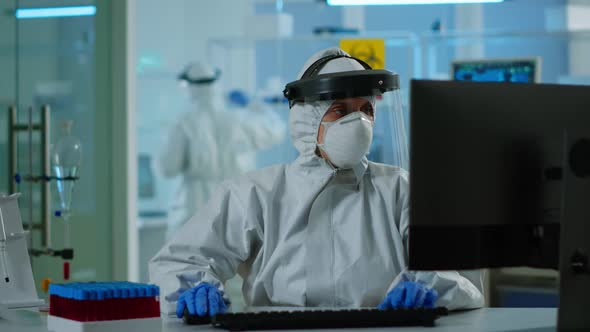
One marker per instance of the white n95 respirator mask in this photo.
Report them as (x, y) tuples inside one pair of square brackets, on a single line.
[(348, 139)]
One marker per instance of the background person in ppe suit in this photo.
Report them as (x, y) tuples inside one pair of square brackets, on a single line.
[(329, 229), (209, 144)]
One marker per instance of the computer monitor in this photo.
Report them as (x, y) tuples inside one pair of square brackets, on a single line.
[(524, 70), (497, 172)]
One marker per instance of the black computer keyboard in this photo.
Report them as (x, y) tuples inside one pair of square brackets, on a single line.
[(319, 319)]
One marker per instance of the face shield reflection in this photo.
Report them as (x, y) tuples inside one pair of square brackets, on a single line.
[(390, 139)]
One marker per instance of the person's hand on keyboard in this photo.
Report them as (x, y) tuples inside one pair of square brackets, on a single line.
[(201, 300), (409, 294)]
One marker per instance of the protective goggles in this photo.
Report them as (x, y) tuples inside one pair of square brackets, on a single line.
[(207, 80)]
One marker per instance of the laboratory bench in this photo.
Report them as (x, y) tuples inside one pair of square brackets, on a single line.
[(480, 320)]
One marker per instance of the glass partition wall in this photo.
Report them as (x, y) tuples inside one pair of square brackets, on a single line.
[(48, 78)]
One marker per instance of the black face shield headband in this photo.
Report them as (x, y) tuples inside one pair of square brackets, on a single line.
[(341, 85)]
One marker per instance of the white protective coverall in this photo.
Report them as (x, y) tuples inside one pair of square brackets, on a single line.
[(306, 234), (209, 144)]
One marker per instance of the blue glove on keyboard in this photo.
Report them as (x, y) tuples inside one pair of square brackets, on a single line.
[(201, 300), (409, 294)]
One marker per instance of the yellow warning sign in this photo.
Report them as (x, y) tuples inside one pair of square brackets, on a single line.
[(371, 51)]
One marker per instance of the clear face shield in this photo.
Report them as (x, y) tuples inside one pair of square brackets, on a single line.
[(366, 103)]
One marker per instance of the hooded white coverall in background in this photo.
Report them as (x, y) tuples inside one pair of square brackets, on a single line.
[(209, 144), (305, 233)]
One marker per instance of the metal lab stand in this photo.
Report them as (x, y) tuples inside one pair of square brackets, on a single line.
[(44, 129), (43, 179)]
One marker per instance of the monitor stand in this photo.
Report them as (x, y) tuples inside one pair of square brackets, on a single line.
[(574, 289)]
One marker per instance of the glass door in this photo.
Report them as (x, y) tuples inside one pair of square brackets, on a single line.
[(7, 82), (48, 60)]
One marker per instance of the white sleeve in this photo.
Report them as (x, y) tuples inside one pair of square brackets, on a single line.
[(208, 248), (262, 129), (173, 158), (456, 289)]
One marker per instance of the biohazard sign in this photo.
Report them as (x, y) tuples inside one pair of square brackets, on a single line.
[(371, 51)]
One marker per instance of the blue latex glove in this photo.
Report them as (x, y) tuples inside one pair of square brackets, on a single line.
[(409, 294), (201, 300)]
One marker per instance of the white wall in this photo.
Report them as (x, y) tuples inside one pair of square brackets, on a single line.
[(578, 18), (178, 30), (213, 19), (469, 18)]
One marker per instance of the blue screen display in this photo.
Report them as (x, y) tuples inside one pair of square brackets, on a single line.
[(495, 71)]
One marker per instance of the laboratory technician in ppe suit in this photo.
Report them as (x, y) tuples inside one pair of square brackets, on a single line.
[(329, 229), (209, 144)]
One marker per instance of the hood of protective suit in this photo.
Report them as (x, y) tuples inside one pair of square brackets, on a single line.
[(204, 97), (305, 118)]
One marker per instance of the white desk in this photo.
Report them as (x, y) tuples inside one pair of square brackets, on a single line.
[(482, 320)]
